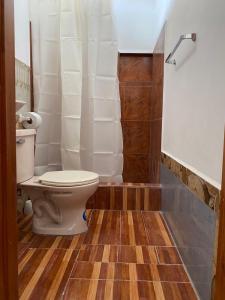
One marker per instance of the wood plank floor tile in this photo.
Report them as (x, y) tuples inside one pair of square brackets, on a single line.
[(30, 267), (50, 276), (137, 254), (133, 229), (144, 272), (102, 253), (103, 271), (157, 233), (22, 248), (60, 281), (25, 222), (107, 271), (178, 291), (124, 255), (104, 228), (56, 242), (168, 255), (87, 270), (77, 289), (43, 284), (122, 271), (121, 290), (151, 272), (146, 291), (172, 273), (80, 289), (128, 271)]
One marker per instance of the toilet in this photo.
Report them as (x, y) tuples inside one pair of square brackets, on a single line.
[(59, 197)]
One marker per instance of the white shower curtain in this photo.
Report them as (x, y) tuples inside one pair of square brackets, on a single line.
[(76, 87)]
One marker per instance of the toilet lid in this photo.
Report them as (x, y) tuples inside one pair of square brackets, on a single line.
[(68, 178)]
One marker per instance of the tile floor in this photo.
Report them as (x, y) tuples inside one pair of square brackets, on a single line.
[(124, 255)]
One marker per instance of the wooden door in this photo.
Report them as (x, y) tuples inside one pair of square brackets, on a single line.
[(220, 272), (8, 227)]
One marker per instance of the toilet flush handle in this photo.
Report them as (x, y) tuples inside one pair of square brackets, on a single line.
[(20, 141)]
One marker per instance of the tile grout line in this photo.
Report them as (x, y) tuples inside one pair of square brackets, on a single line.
[(138, 280), (123, 245), (145, 227), (157, 255), (75, 263)]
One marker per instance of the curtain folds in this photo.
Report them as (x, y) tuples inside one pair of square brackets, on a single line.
[(76, 87)]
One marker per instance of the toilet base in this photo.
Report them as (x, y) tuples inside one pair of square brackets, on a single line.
[(54, 229), (59, 210)]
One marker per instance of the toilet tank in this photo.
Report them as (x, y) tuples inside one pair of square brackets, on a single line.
[(25, 154)]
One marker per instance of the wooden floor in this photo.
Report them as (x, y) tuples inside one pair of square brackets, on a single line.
[(124, 255)]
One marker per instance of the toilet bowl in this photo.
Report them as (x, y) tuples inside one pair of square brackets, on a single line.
[(59, 200), (59, 197)]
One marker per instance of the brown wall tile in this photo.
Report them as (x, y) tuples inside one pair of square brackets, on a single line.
[(135, 68), (141, 78), (136, 97), (155, 139), (136, 167), (156, 102), (136, 136)]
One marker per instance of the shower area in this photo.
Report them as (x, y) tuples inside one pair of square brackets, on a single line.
[(150, 231)]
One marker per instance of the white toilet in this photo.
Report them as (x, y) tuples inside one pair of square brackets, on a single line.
[(58, 198)]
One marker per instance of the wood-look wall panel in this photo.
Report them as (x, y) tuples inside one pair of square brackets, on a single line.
[(133, 97), (136, 136), (135, 74), (136, 68), (141, 93)]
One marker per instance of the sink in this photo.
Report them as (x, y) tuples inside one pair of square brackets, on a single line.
[(19, 104)]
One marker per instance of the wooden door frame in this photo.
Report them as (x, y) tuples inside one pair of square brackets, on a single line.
[(8, 224), (220, 266)]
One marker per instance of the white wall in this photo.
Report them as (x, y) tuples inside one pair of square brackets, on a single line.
[(139, 23), (194, 92), (21, 13)]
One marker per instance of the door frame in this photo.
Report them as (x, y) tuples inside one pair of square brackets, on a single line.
[(220, 266), (8, 224)]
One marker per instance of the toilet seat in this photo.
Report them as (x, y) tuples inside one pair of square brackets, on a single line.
[(68, 178)]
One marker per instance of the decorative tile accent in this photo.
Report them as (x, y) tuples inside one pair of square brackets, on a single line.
[(120, 261), (127, 197), (209, 194)]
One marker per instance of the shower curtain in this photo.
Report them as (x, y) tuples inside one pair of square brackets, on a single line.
[(76, 87)]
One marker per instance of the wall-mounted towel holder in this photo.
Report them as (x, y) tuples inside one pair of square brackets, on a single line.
[(188, 36)]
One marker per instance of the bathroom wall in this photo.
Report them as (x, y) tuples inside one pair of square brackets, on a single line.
[(22, 52), (22, 40), (194, 90), (193, 226), (139, 16)]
